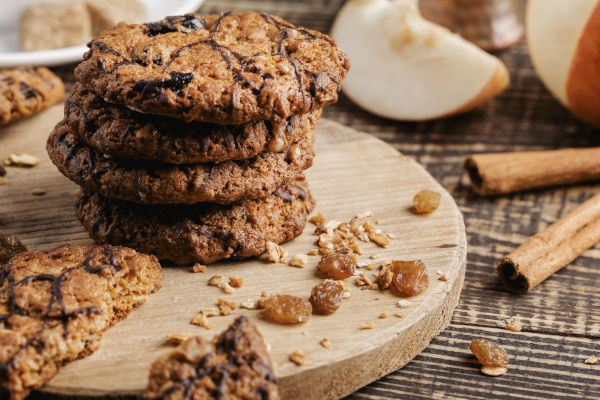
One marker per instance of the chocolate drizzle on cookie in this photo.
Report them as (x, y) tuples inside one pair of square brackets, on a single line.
[(56, 312), (237, 354)]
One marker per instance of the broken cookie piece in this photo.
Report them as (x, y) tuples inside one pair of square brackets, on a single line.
[(234, 365), (55, 305), (10, 245)]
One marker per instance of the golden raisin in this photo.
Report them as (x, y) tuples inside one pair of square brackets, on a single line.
[(426, 201), (337, 265), (326, 297), (287, 309), (410, 277), (489, 353)]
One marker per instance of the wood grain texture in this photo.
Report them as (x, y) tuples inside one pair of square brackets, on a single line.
[(565, 307), (560, 318), (353, 173)]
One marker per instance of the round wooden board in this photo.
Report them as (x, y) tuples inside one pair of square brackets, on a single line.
[(353, 173)]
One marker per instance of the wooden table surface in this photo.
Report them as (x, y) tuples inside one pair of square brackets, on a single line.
[(561, 318)]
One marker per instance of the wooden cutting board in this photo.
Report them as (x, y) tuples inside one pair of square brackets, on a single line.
[(353, 173)]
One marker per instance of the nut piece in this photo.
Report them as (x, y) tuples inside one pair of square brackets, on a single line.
[(199, 268), (38, 192), (367, 325), (493, 371), (326, 343), (298, 357), (178, 338), (226, 307), (591, 360), (383, 315), (298, 261), (201, 320), (21, 160), (379, 238), (236, 282), (220, 282), (275, 252), (318, 220), (426, 201)]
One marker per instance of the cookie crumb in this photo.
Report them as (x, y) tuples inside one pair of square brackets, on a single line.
[(298, 357), (443, 278), (178, 338), (313, 252), (403, 303), (226, 307), (38, 192), (591, 360), (201, 320), (379, 239), (398, 315), (210, 311), (21, 160), (367, 325), (220, 282), (364, 214), (513, 328), (3, 180), (326, 343), (385, 276), (199, 268), (375, 256), (391, 236), (346, 289), (298, 261), (248, 304), (275, 252), (318, 220), (236, 281), (260, 304), (383, 315), (493, 371)]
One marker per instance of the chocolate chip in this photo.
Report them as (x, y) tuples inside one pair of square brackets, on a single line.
[(28, 91), (156, 28), (187, 21)]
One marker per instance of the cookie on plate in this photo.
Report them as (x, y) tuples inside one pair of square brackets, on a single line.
[(234, 365), (201, 232), (229, 68), (54, 306), (121, 132), (152, 183), (25, 91), (52, 25)]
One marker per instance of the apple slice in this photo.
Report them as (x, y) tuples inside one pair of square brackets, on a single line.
[(564, 44), (405, 67)]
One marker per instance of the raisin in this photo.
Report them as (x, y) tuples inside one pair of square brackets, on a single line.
[(287, 309), (489, 353), (2, 171), (326, 297), (426, 201), (10, 245), (410, 277), (337, 265)]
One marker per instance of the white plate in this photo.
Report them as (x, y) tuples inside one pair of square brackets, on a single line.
[(12, 56)]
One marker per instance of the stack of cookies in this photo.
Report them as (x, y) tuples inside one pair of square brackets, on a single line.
[(189, 136)]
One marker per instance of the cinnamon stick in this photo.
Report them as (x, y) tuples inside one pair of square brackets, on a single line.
[(556, 246), (499, 173)]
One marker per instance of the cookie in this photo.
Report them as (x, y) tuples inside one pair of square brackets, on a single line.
[(229, 68), (105, 14), (120, 132), (25, 91), (201, 232), (234, 365), (53, 25), (54, 306), (148, 183)]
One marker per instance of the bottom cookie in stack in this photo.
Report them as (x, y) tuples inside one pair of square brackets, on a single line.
[(203, 232)]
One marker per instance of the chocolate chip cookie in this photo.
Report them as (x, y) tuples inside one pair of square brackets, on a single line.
[(201, 232), (120, 132), (229, 68), (153, 183), (54, 306), (26, 91), (234, 365)]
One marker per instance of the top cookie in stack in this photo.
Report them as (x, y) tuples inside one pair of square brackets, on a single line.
[(193, 110)]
